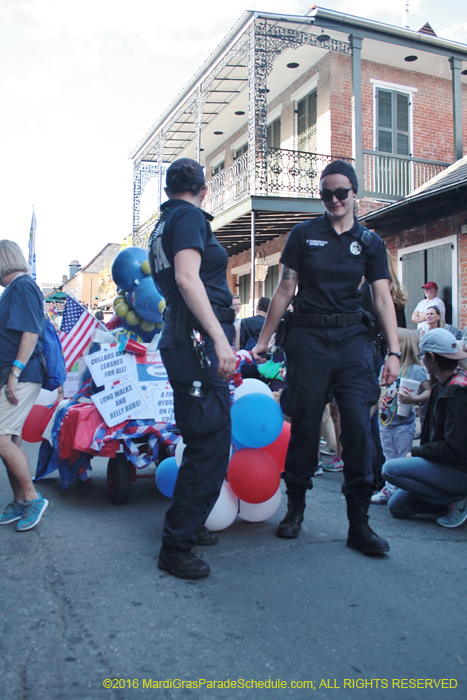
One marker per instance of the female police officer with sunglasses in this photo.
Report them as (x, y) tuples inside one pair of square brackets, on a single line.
[(328, 348)]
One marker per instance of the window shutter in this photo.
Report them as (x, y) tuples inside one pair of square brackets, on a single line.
[(307, 118), (402, 123), (384, 121)]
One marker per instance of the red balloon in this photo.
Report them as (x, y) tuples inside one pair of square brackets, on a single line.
[(253, 475), (113, 322), (278, 448), (36, 422)]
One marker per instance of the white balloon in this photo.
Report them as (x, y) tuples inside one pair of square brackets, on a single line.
[(179, 449), (224, 511), (46, 398), (252, 386), (257, 512)]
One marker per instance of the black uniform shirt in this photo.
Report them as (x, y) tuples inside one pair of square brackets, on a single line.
[(331, 266), (182, 226)]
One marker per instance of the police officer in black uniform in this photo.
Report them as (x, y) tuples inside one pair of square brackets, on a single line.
[(189, 266), (328, 347)]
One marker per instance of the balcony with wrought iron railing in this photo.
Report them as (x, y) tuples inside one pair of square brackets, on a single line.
[(392, 177), (296, 174), (293, 174)]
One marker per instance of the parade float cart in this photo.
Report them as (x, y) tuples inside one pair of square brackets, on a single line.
[(123, 411)]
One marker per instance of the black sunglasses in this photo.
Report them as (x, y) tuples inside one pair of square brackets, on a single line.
[(341, 193)]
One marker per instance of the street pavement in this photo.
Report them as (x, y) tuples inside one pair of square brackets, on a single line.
[(84, 605)]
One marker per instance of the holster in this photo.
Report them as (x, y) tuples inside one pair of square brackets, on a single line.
[(185, 321), (281, 330)]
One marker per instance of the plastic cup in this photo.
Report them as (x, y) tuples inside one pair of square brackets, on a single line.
[(134, 347), (407, 386)]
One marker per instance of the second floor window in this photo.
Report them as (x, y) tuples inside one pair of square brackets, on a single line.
[(274, 134), (217, 168), (393, 122), (241, 151), (306, 123)]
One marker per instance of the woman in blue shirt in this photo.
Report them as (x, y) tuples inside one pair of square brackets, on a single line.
[(22, 323)]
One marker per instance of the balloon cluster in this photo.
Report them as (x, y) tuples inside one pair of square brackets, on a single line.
[(139, 305), (260, 438)]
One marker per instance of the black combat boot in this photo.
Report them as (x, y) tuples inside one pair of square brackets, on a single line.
[(361, 536), (182, 563), (290, 526)]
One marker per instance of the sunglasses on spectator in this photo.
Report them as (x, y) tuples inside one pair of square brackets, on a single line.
[(341, 193)]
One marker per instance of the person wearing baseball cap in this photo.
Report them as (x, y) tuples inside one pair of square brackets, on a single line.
[(433, 478), (189, 266), (431, 299)]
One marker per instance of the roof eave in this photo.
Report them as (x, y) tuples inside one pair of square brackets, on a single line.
[(334, 19), (229, 40), (377, 217)]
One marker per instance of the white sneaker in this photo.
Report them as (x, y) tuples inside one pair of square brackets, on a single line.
[(382, 497), (457, 514)]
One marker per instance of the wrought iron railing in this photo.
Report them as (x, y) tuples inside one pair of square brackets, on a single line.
[(228, 186), (289, 174), (296, 173), (392, 177), (141, 236)]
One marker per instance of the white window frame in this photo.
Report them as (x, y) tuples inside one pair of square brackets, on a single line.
[(217, 160), (394, 87), (297, 96), (455, 266), (274, 114)]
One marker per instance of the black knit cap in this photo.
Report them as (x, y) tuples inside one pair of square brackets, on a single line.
[(183, 174), (342, 168)]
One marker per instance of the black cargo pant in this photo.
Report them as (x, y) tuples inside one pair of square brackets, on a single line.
[(318, 360), (204, 423)]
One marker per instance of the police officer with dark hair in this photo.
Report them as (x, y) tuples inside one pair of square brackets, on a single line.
[(189, 266), (328, 347)]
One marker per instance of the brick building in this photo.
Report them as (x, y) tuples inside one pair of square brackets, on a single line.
[(284, 95), (426, 233)]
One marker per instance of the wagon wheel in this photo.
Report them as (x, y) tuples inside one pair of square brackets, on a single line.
[(119, 479)]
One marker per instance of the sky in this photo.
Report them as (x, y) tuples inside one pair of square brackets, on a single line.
[(82, 83)]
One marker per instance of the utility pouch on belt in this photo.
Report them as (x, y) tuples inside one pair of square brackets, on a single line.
[(185, 320), (281, 330)]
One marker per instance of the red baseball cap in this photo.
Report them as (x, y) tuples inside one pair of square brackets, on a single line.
[(430, 285)]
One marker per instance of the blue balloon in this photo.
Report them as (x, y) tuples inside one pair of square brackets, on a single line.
[(257, 420), (146, 300), (166, 476), (126, 267), (238, 445)]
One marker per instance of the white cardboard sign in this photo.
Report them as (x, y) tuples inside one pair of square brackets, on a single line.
[(109, 365), (122, 402), (163, 403)]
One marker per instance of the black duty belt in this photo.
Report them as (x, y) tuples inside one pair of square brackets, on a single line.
[(327, 320), (224, 314)]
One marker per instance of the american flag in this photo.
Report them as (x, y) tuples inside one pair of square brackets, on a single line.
[(76, 330)]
